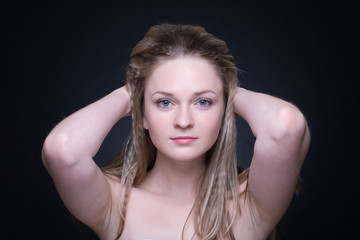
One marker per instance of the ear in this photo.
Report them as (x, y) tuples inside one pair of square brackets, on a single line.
[(145, 123)]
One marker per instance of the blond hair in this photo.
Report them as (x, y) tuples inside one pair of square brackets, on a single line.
[(220, 181)]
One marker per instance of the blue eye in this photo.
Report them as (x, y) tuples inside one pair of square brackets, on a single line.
[(164, 103), (204, 103)]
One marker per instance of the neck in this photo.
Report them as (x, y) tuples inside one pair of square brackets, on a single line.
[(175, 179)]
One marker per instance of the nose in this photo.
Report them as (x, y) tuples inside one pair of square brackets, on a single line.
[(184, 118)]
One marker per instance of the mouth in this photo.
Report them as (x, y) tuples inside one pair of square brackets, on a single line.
[(183, 140)]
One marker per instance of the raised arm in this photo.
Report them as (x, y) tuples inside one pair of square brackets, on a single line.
[(282, 140), (68, 153)]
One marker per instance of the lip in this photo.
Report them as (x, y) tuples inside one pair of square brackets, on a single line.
[(183, 139)]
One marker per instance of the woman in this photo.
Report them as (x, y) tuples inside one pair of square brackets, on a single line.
[(177, 177)]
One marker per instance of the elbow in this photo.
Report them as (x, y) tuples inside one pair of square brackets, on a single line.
[(56, 151), (290, 125)]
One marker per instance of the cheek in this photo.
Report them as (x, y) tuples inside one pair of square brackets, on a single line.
[(156, 124), (216, 125), (211, 125), (158, 136), (145, 123)]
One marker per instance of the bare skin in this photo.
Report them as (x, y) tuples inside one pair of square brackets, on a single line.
[(159, 206)]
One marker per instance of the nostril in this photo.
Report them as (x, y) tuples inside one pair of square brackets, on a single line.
[(184, 119)]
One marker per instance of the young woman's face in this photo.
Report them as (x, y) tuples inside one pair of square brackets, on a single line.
[(184, 106)]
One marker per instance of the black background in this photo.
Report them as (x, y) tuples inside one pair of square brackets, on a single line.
[(58, 57)]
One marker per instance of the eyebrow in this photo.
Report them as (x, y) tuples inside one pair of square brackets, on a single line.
[(194, 94)]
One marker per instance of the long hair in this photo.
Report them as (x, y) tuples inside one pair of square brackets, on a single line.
[(219, 183)]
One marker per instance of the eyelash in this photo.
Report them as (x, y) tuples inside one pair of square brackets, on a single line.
[(208, 101), (160, 101)]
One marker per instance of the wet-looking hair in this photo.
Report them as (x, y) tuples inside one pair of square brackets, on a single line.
[(220, 181)]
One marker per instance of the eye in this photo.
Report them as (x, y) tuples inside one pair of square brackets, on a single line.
[(163, 103), (204, 103)]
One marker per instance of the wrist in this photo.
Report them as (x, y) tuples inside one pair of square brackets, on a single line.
[(124, 97), (239, 100)]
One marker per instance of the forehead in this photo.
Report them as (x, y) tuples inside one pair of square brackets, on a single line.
[(191, 73)]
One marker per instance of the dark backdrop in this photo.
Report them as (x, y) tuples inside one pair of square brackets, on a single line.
[(58, 57)]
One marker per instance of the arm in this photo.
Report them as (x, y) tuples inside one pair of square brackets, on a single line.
[(282, 140), (68, 153)]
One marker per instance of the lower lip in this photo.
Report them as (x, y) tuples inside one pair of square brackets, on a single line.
[(184, 140)]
